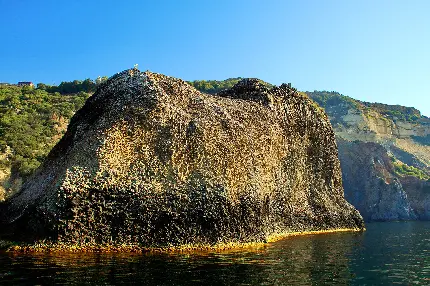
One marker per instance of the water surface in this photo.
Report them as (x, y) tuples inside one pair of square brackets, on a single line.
[(386, 254)]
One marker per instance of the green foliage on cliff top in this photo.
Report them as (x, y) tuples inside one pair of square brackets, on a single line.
[(73, 87), (406, 170), (31, 122), (335, 104), (332, 98), (215, 86), (398, 112)]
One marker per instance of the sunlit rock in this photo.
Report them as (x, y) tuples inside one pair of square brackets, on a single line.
[(151, 161)]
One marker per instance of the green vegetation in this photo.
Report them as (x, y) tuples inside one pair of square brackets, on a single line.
[(72, 87), (213, 86), (332, 98), (31, 122), (402, 169), (335, 104), (398, 112)]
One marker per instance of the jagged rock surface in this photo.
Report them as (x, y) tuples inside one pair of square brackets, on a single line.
[(419, 195), (376, 141), (150, 160), (370, 183)]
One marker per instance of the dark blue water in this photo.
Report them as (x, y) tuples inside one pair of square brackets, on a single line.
[(386, 254)]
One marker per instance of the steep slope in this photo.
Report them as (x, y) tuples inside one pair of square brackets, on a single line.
[(31, 123), (385, 156), (370, 183), (151, 161)]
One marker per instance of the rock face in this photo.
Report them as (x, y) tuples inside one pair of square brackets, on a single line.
[(151, 161), (384, 151), (419, 195), (370, 183)]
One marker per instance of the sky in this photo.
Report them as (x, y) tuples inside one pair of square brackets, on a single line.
[(371, 50)]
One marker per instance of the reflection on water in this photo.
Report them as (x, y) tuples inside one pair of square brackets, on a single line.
[(387, 253)]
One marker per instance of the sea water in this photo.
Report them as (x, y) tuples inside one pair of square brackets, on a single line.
[(387, 253)]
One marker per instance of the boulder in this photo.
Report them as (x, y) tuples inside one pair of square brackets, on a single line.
[(151, 161)]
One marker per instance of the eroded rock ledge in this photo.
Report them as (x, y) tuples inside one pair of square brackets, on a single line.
[(151, 161)]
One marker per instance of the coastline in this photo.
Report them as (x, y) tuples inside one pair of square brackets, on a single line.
[(42, 246)]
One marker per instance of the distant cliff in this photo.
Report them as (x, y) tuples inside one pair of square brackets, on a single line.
[(384, 152), (149, 160)]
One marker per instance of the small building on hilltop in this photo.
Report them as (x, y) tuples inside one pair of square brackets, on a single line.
[(25, 83)]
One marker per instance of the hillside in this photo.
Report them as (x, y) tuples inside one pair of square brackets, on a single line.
[(31, 122), (385, 156)]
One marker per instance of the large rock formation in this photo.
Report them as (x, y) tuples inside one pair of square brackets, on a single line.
[(384, 152), (151, 161)]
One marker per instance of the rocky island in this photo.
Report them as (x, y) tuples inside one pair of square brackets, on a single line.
[(152, 162)]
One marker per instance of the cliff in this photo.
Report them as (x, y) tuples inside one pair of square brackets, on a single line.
[(151, 161), (384, 152), (370, 182)]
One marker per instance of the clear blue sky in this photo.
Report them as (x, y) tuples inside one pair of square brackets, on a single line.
[(373, 50)]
